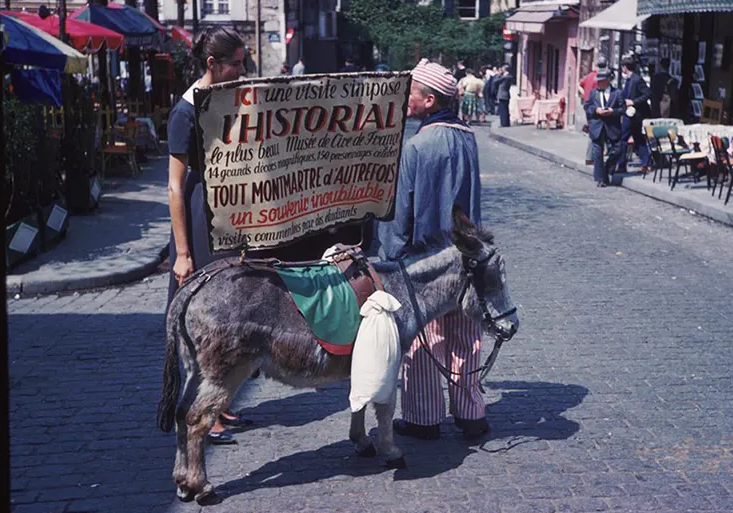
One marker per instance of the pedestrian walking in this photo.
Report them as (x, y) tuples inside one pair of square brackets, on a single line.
[(604, 109), (503, 95), (220, 51), (438, 168), (349, 66), (490, 91), (460, 71), (636, 94), (470, 89), (586, 85), (299, 68)]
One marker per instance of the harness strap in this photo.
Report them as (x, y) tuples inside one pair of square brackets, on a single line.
[(447, 373)]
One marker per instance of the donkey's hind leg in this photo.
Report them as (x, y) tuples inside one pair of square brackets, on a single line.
[(209, 403), (357, 433), (180, 469), (385, 444), (213, 397)]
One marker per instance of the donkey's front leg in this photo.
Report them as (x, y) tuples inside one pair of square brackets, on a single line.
[(385, 444), (357, 433)]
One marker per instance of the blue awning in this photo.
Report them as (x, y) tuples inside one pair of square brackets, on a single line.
[(139, 30), (37, 86), (650, 7), (29, 46)]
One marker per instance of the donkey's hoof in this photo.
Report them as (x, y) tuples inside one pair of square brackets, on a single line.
[(367, 452), (397, 463), (184, 493), (207, 496)]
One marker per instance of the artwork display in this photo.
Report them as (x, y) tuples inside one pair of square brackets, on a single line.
[(699, 75), (697, 91), (697, 108)]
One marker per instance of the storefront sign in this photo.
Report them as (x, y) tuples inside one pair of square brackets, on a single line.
[(287, 157)]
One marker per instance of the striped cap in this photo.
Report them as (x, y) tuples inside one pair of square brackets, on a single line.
[(436, 77)]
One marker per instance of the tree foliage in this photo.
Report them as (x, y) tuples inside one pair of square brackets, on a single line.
[(404, 32)]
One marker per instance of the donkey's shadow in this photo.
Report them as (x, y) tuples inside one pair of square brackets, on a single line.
[(303, 408), (526, 411)]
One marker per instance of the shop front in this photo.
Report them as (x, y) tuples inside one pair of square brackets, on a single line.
[(546, 64), (697, 37)]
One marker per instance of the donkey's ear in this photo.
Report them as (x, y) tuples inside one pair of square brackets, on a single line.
[(461, 223), (467, 244)]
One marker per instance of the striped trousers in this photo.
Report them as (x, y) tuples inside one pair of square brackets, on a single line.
[(455, 341)]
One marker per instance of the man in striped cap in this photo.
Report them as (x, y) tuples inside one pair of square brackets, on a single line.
[(438, 168)]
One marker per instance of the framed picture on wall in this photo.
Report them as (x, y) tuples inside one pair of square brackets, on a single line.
[(697, 91), (699, 75), (696, 108), (718, 55)]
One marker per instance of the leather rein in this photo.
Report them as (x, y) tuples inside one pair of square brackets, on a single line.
[(471, 275)]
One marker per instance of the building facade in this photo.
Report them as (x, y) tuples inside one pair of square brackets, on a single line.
[(547, 51)]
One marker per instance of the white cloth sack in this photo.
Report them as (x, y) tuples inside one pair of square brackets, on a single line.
[(376, 359)]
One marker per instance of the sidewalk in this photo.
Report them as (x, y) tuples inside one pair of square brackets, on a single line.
[(567, 148), (122, 240)]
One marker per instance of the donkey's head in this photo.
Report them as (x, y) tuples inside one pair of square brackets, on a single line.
[(484, 293)]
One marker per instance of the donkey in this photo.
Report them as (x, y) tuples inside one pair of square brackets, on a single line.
[(226, 324)]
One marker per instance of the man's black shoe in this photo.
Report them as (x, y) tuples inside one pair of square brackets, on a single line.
[(404, 428), (473, 429)]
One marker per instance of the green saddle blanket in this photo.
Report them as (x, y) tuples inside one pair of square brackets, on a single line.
[(327, 302)]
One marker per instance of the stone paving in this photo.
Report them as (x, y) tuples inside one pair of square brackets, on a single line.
[(616, 395)]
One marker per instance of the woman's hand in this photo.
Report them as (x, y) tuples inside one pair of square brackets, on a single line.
[(182, 268)]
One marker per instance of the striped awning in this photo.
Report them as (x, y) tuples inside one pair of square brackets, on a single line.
[(650, 7), (531, 17)]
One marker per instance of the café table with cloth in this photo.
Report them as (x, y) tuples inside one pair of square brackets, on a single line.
[(700, 133)]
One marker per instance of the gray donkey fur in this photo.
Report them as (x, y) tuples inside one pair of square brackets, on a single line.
[(242, 319)]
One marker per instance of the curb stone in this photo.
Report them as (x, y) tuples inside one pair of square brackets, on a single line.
[(639, 186), (145, 265)]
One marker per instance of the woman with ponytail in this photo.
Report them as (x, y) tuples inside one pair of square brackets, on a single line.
[(220, 53)]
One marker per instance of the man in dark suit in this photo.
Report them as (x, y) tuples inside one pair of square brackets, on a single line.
[(636, 95), (503, 84), (604, 110)]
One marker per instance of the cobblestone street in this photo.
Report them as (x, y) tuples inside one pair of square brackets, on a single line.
[(616, 395)]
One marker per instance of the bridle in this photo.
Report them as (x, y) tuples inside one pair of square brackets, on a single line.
[(472, 275)]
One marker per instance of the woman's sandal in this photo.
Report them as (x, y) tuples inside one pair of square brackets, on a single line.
[(239, 421), (221, 438)]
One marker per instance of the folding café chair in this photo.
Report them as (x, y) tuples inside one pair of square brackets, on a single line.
[(661, 151), (682, 155), (722, 167)]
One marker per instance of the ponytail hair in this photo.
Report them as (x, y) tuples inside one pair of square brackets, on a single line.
[(215, 41)]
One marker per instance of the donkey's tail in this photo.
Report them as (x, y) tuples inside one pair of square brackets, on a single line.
[(171, 371)]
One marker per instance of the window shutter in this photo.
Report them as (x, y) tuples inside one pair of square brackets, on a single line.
[(484, 8)]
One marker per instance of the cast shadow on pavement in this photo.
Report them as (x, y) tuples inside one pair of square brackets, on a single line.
[(297, 410), (531, 410)]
